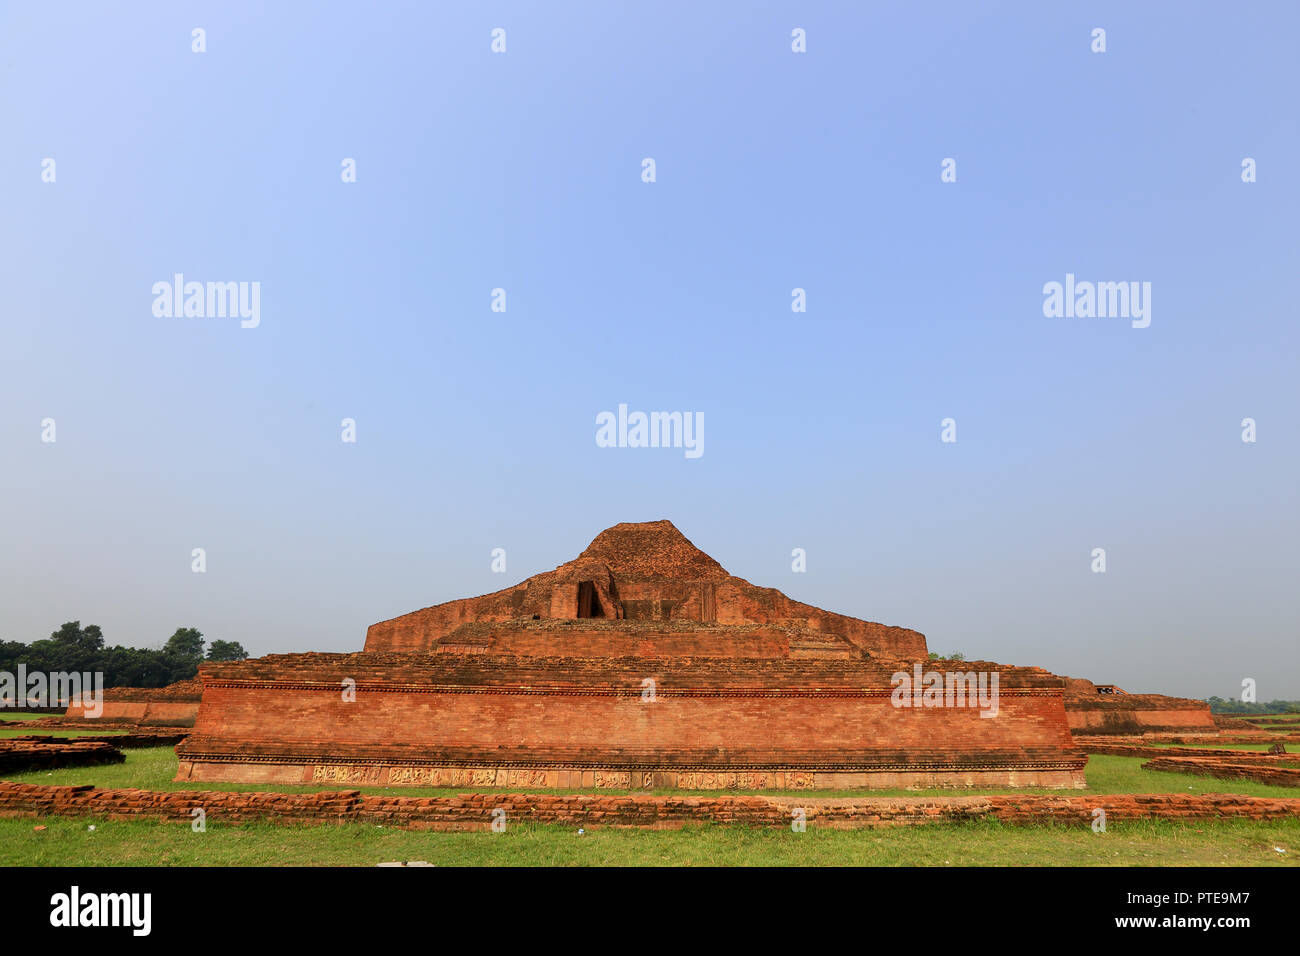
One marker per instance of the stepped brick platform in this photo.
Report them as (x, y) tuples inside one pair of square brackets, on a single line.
[(1106, 709), (487, 720), (176, 705), (474, 811), (641, 665), (18, 755)]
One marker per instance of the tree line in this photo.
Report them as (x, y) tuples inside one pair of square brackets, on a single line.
[(82, 649), (1220, 706)]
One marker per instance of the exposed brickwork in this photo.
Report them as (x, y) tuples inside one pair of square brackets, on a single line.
[(642, 664), (1137, 750), (284, 719), (176, 705), (1092, 712), (1206, 740), (639, 572), (1260, 768), (19, 754), (125, 741), (474, 811)]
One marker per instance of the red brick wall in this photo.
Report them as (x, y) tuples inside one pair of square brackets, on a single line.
[(474, 811), (1137, 714), (737, 602), (735, 714), (170, 713), (535, 639)]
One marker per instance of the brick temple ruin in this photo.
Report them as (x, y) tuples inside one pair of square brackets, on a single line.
[(1104, 709), (641, 664)]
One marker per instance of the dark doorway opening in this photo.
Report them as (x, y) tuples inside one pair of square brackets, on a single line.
[(588, 602)]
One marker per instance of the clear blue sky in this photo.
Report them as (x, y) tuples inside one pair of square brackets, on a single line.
[(775, 170)]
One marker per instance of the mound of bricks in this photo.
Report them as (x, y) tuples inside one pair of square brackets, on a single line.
[(1260, 768), (18, 755), (474, 811)]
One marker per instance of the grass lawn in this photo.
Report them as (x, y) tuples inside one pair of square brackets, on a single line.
[(70, 842), (19, 715)]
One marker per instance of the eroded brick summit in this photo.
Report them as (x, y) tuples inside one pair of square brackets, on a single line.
[(641, 664), (643, 572)]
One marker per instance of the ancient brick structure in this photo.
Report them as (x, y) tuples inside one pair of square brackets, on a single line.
[(1107, 709), (474, 811), (495, 720), (176, 705), (640, 665), (19, 754), (1261, 768), (147, 738), (647, 574)]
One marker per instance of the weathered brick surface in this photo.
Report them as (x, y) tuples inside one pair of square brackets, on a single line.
[(1206, 740), (175, 705), (639, 572), (125, 741), (1091, 712), (20, 754), (1138, 750), (642, 664), (1260, 768), (283, 719), (473, 811)]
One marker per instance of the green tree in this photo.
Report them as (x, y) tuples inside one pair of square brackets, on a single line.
[(186, 644), (226, 651)]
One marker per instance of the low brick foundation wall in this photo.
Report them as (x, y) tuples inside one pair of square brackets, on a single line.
[(96, 726), (474, 811), (1136, 750), (1258, 770), (127, 740), (18, 755), (1093, 744)]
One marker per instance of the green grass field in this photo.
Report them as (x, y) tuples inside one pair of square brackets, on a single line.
[(70, 841)]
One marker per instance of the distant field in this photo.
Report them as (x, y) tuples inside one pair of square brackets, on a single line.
[(153, 768), (17, 715)]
